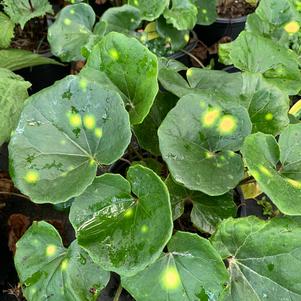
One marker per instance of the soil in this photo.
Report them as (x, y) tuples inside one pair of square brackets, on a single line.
[(234, 8)]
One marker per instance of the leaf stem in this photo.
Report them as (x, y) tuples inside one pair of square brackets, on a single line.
[(193, 57), (118, 293)]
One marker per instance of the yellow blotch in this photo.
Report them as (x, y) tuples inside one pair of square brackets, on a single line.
[(294, 183), (31, 177), (89, 121), (63, 142), (92, 162), (186, 38), (83, 84), (72, 11), (189, 72), (209, 155), (210, 117), (114, 54), (227, 125), (64, 264), (144, 229), (98, 132), (292, 27), (204, 11), (129, 213), (51, 250), (269, 117), (171, 278), (264, 170), (296, 108), (231, 154), (255, 174), (67, 21), (136, 2), (75, 120)]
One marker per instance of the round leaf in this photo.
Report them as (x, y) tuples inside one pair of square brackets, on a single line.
[(191, 270), (132, 68), (7, 30), (197, 139), (124, 232), (64, 133), (49, 271)]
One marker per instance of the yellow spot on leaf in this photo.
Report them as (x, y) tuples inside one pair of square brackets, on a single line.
[(63, 142), (31, 177), (264, 170), (231, 154), (189, 72), (51, 250), (227, 125), (92, 162), (292, 27), (209, 155), (72, 11), (114, 54), (171, 278), (144, 229), (136, 2), (204, 11), (89, 121), (83, 84), (67, 21), (186, 37), (294, 183), (98, 132), (269, 117), (129, 213), (75, 120), (210, 117), (64, 264)]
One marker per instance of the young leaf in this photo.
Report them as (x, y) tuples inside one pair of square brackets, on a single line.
[(122, 232), (282, 185), (182, 14), (207, 211), (13, 92), (22, 11), (197, 140), (64, 133), (7, 30), (264, 257), (71, 31), (191, 270), (49, 271), (279, 65), (132, 68), (150, 10)]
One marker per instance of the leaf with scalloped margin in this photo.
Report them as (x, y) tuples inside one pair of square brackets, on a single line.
[(7, 30)]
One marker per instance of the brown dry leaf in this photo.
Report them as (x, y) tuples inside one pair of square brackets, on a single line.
[(6, 185), (76, 67)]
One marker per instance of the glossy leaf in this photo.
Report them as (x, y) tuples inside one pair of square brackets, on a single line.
[(206, 11), (22, 11), (7, 30), (182, 14), (279, 65), (149, 10), (282, 183), (47, 270), (146, 132), (263, 256), (207, 211), (191, 270), (13, 92), (197, 141), (71, 31), (15, 59), (124, 232), (65, 132), (132, 68)]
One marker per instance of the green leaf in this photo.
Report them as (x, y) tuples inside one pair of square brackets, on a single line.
[(47, 270), (207, 211), (7, 30), (191, 270), (123, 19), (206, 11), (182, 14), (132, 68), (64, 133), (15, 59), (267, 105), (13, 92), (146, 132), (150, 10), (124, 232), (279, 65), (282, 184), (71, 31), (197, 141), (263, 256), (22, 11)]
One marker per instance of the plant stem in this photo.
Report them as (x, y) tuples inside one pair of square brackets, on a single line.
[(193, 57), (118, 293)]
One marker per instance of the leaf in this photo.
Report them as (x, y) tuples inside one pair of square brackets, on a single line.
[(15, 59), (182, 14), (263, 256), (22, 11), (191, 270), (279, 65), (123, 19), (13, 92), (267, 105), (281, 184), (49, 271), (206, 11), (197, 141), (150, 10), (146, 132), (122, 232), (65, 132), (132, 68), (7, 30), (295, 110), (207, 211), (71, 31)]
